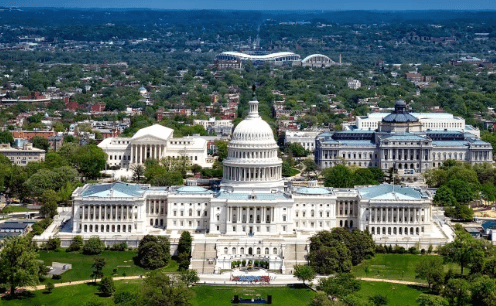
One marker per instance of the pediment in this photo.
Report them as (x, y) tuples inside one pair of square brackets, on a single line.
[(148, 139)]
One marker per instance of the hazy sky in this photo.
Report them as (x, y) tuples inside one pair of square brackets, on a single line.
[(265, 4)]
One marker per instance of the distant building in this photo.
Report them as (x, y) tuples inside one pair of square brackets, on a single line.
[(354, 84), (305, 138), (155, 142), (403, 141), (235, 59), (223, 127), (30, 134), (56, 142), (24, 155)]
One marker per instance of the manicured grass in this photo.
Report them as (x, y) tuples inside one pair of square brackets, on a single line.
[(74, 295), (204, 295), (15, 209), (394, 266), (396, 294), (81, 264), (283, 296)]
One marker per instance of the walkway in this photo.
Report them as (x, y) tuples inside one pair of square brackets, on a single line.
[(224, 279)]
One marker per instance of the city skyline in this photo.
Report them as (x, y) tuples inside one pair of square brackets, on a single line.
[(290, 5)]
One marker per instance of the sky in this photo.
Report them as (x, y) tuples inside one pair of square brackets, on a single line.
[(265, 4)]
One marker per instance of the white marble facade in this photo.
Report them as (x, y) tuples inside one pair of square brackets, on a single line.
[(254, 214)]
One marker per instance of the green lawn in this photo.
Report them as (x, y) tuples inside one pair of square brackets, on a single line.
[(205, 295), (81, 264), (396, 294), (71, 295), (394, 266), (15, 209), (283, 296)]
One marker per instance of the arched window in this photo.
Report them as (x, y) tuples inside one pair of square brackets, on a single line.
[(242, 251), (258, 251), (274, 251), (266, 251), (234, 251), (190, 212), (225, 250)]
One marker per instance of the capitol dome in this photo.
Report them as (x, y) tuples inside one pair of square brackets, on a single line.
[(252, 153)]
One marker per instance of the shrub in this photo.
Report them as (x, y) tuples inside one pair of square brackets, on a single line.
[(107, 286), (76, 244), (119, 247), (49, 287), (55, 276), (52, 244), (93, 246)]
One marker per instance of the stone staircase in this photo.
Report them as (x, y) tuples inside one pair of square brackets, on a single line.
[(203, 257), (294, 254)]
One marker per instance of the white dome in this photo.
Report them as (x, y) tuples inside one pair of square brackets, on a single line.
[(252, 160), (253, 130)]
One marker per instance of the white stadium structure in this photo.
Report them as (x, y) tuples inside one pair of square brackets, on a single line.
[(234, 60), (317, 60)]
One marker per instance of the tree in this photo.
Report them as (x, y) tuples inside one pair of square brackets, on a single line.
[(457, 291), (310, 167), (431, 269), (18, 263), (49, 287), (185, 243), (221, 149), (444, 196), (40, 143), (184, 250), (138, 172), (76, 244), (90, 160), (93, 246), (160, 289), (338, 176), (431, 300), (49, 207), (465, 249), (196, 168), (490, 267), (126, 298), (320, 299), (98, 264), (107, 286), (304, 273), (154, 252), (379, 299), (339, 285), (335, 258), (297, 150), (6, 137), (189, 277), (483, 291), (461, 190)]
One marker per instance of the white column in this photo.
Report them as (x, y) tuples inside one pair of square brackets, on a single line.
[(132, 154)]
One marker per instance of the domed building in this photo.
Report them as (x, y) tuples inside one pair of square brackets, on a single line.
[(252, 161), (256, 214)]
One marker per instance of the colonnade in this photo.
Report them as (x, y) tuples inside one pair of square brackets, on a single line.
[(400, 215), (346, 208), (248, 214), (96, 213), (252, 174), (405, 154), (109, 212), (140, 152)]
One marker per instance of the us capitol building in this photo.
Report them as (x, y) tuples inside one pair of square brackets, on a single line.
[(254, 214)]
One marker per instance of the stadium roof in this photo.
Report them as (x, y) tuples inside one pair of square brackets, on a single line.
[(266, 57)]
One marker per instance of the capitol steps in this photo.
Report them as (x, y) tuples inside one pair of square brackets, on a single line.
[(203, 257), (294, 254)]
